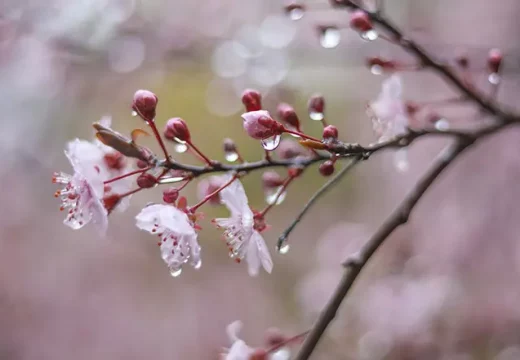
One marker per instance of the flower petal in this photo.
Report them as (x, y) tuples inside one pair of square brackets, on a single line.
[(235, 198), (263, 251)]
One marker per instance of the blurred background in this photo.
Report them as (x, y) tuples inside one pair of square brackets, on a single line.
[(445, 286)]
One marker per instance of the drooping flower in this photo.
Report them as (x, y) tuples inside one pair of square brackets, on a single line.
[(82, 195), (388, 111), (243, 240), (178, 237)]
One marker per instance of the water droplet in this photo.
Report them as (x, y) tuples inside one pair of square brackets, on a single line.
[(134, 113), (370, 35), (271, 143), (181, 148), (296, 13), (284, 249), (316, 116), (175, 271), (376, 69), (231, 156), (330, 37), (198, 264), (171, 180), (494, 78), (442, 125), (271, 196), (401, 160)]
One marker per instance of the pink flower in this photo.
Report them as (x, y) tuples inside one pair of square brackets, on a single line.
[(241, 237), (82, 195), (388, 112), (178, 237)]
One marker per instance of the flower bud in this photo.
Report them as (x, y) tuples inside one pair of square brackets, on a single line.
[(229, 145), (382, 63), (316, 105), (274, 337), (252, 100), (144, 104), (494, 60), (327, 168), (289, 149), (146, 181), (170, 195), (258, 354), (271, 179), (111, 201), (287, 114), (141, 164), (176, 128), (295, 171), (208, 186), (411, 107), (260, 125), (330, 132), (360, 21)]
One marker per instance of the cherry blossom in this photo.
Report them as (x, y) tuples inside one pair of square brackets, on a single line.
[(388, 112), (243, 240), (82, 194), (178, 237), (239, 350)]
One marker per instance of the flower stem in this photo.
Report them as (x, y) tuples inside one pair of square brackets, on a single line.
[(198, 152), (159, 140), (127, 175), (287, 342), (302, 135), (209, 196), (282, 189)]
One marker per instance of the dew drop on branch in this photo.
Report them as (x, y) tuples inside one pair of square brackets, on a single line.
[(369, 35), (330, 37), (316, 116), (271, 143), (296, 13), (231, 156), (278, 194), (284, 249), (494, 78), (376, 69)]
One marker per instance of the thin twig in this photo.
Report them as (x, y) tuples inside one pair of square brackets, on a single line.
[(397, 218), (329, 184)]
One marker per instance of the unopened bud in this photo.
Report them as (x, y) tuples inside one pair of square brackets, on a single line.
[(111, 201), (327, 168), (271, 179), (287, 114), (176, 128), (330, 132), (208, 186), (360, 21), (146, 181), (260, 125), (494, 60), (229, 145), (274, 337), (170, 195), (289, 149), (144, 104), (252, 100), (141, 164), (382, 63)]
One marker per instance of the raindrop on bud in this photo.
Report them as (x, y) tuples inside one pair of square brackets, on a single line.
[(295, 11), (370, 35), (134, 113), (175, 271), (316, 107), (198, 264), (329, 36), (180, 147), (271, 143), (231, 156), (230, 150), (494, 78), (275, 196), (376, 69), (171, 179), (442, 125), (360, 21), (284, 249)]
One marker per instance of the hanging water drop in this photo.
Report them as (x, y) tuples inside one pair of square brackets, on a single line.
[(330, 37), (295, 12), (198, 264), (316, 116), (494, 78), (401, 160), (231, 156), (180, 147), (175, 271), (134, 113), (376, 69), (442, 125), (284, 248), (278, 194), (370, 35), (171, 179), (271, 143)]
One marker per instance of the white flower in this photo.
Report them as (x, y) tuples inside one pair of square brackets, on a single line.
[(239, 350), (82, 196), (178, 237), (388, 112), (241, 237)]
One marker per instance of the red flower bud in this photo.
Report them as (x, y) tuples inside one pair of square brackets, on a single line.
[(494, 60), (144, 104), (176, 128), (111, 201), (208, 186), (141, 164), (360, 21), (383, 63), (274, 336), (260, 125), (252, 100), (271, 179), (330, 132), (114, 160), (146, 181), (287, 114), (295, 171), (258, 354), (170, 195), (316, 105), (327, 168)]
